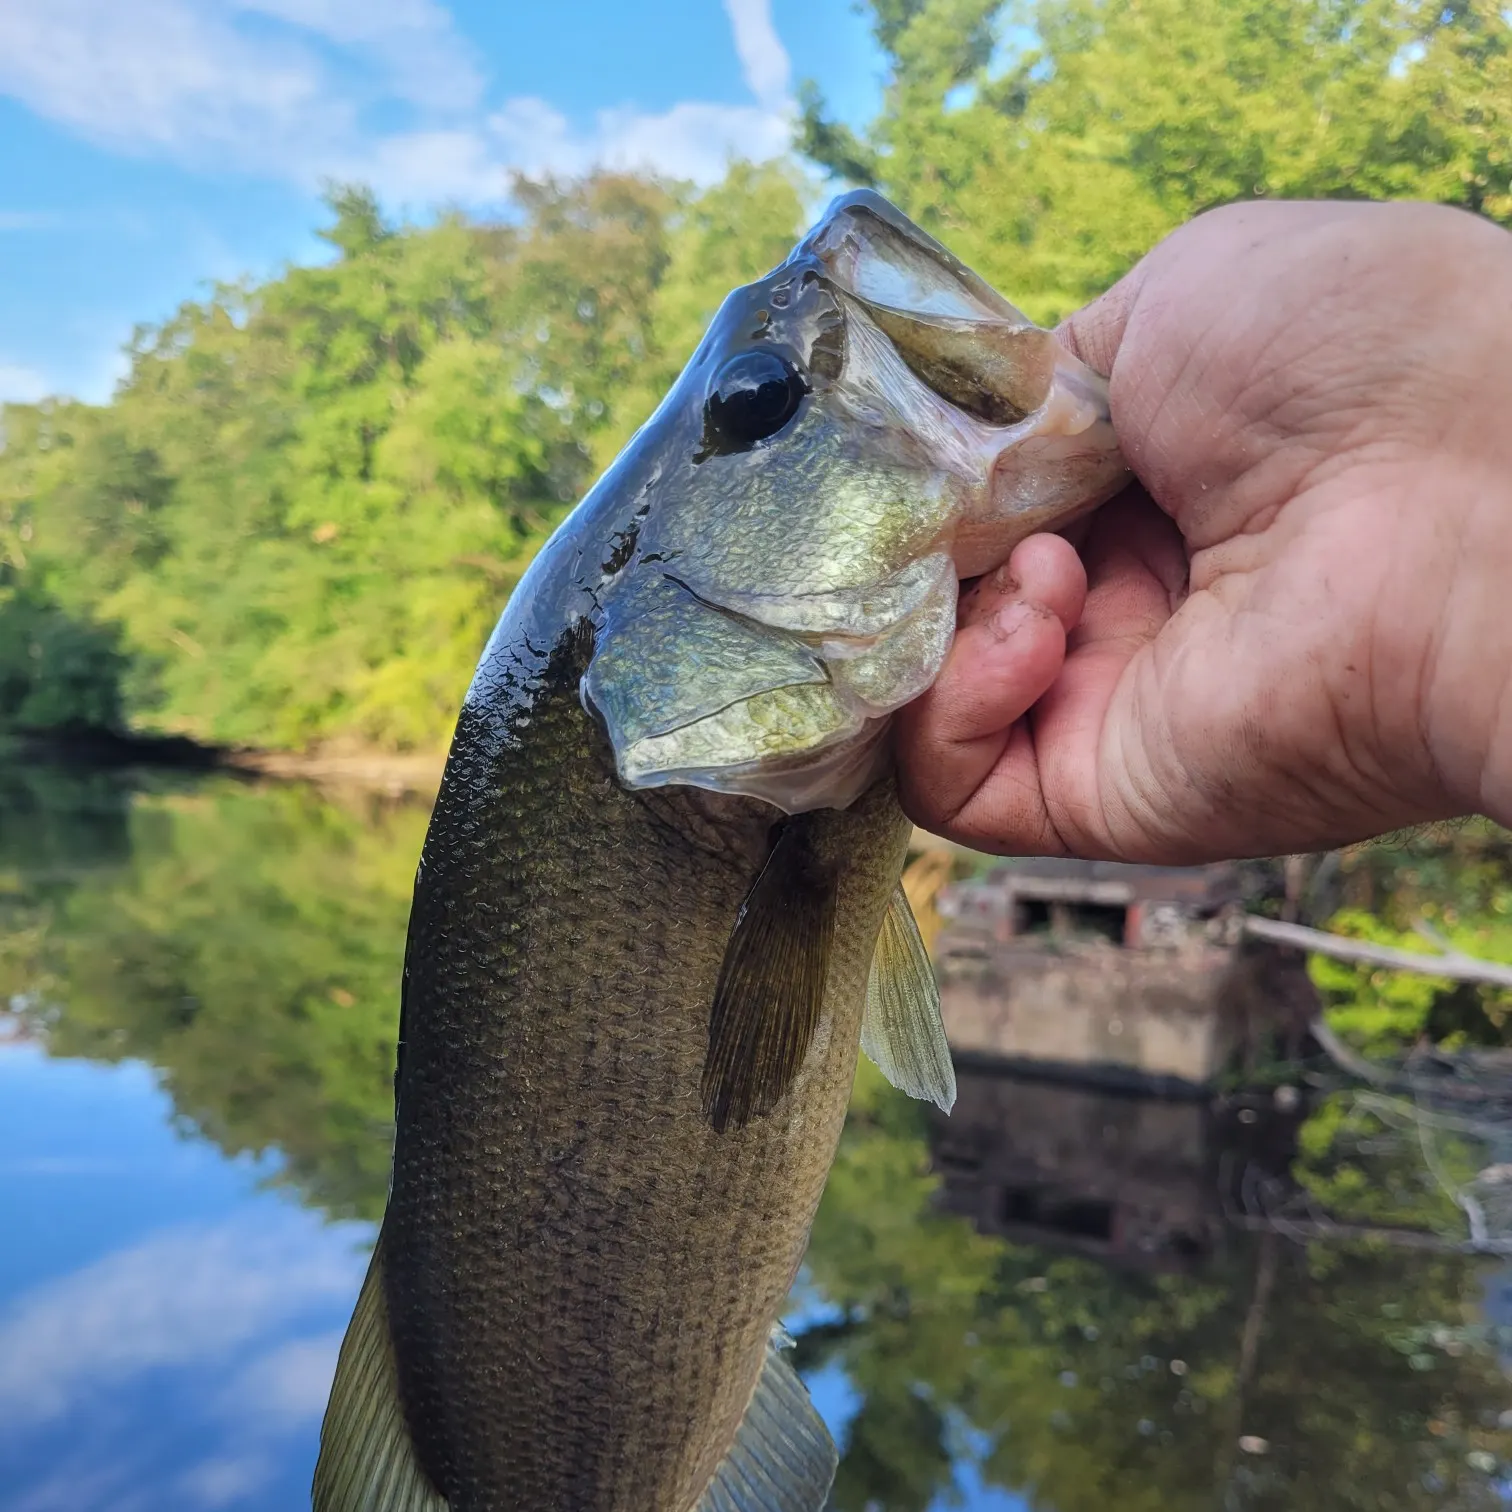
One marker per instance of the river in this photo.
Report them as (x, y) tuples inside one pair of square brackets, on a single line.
[(1255, 1303)]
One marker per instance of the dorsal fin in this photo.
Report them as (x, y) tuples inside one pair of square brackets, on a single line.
[(367, 1462), (783, 1459), (771, 983), (902, 1032)]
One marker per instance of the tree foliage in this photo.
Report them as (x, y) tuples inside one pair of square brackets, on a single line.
[(301, 514), (1443, 884), (303, 510), (1052, 143)]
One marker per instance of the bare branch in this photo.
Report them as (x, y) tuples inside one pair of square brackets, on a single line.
[(1459, 968)]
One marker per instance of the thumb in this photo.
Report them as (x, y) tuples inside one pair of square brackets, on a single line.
[(1095, 332)]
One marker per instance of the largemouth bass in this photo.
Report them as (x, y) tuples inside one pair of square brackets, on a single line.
[(658, 907)]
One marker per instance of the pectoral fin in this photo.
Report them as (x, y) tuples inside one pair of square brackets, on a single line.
[(771, 984), (902, 1032), (783, 1459), (367, 1462)]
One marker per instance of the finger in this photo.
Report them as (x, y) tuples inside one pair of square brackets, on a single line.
[(1137, 575), (1042, 793), (1095, 332), (1137, 568), (1006, 654), (1049, 564)]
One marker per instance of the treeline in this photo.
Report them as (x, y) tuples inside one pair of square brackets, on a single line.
[(299, 516)]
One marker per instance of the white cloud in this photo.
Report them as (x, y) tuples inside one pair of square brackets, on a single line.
[(167, 76), (763, 58), (458, 166), (287, 88), (287, 1386), (178, 1297), (426, 62), (222, 1481), (21, 385), (693, 139), (272, 86)]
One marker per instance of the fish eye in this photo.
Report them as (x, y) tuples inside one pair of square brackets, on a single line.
[(753, 396)]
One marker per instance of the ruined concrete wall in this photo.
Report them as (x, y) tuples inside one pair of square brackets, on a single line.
[(1159, 1013)]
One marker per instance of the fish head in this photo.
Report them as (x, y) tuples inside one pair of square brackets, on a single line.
[(857, 431)]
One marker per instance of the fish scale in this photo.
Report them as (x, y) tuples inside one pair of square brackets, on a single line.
[(575, 1396), (648, 937)]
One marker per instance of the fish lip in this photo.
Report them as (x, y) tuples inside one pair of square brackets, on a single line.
[(1043, 446), (836, 233)]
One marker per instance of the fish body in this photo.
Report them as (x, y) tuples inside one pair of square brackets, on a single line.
[(657, 910)]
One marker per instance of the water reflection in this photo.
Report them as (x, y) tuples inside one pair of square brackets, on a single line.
[(1060, 1298), (246, 941), (1144, 1352), (168, 1324)]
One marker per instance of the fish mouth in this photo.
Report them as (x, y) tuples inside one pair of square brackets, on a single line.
[(989, 379)]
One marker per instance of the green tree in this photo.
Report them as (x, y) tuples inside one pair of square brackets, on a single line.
[(57, 672), (304, 509), (1449, 883), (1052, 143)]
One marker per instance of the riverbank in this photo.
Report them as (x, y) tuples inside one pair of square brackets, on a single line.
[(396, 773)]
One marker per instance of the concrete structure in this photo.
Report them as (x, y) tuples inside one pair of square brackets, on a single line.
[(1141, 907), (1119, 973)]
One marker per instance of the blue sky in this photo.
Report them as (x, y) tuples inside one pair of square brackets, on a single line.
[(149, 146)]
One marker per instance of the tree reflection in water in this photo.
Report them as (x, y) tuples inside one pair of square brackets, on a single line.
[(247, 940)]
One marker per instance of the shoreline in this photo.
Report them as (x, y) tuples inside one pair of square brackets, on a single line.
[(393, 773)]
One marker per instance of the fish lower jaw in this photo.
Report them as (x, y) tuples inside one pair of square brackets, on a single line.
[(833, 775)]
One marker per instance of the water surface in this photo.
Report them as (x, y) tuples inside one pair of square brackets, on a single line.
[(1063, 1298)]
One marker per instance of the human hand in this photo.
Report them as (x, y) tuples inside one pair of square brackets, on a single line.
[(1298, 631)]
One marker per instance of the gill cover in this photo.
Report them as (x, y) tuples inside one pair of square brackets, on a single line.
[(856, 431)]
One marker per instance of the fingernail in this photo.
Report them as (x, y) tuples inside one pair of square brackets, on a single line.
[(1012, 618)]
